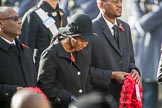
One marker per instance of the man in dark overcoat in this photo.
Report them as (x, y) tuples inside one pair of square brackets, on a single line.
[(17, 69), (113, 50)]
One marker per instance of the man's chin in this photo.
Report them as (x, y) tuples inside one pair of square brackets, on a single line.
[(18, 33), (118, 15)]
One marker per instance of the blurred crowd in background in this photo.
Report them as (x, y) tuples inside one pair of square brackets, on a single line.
[(69, 6), (141, 14), (21, 6)]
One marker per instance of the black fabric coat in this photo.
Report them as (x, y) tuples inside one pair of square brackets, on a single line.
[(14, 73), (59, 78)]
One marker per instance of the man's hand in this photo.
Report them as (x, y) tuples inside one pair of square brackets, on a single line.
[(119, 76), (135, 75)]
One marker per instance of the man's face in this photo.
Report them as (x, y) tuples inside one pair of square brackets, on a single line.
[(11, 24), (112, 8)]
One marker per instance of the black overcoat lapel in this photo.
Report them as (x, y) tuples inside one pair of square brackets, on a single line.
[(122, 35), (107, 33)]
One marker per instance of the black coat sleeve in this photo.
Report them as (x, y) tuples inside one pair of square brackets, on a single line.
[(6, 92)]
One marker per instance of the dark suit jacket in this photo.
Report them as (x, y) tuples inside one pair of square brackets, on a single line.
[(60, 78), (34, 32), (108, 56), (10, 69)]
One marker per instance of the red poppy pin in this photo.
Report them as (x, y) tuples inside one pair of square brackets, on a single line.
[(121, 27), (24, 46), (72, 58)]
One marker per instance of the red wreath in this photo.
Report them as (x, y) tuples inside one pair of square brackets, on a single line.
[(131, 94)]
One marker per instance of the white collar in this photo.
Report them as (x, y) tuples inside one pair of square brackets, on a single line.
[(110, 25), (13, 42)]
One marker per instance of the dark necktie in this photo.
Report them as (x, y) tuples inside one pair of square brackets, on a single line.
[(13, 49), (115, 32)]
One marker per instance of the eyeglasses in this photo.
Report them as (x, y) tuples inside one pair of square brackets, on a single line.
[(15, 18)]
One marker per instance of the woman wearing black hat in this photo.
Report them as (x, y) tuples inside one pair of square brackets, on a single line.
[(64, 66)]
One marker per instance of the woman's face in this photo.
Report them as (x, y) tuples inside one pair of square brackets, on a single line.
[(78, 43)]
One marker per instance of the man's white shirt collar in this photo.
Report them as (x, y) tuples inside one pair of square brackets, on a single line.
[(13, 42), (110, 25)]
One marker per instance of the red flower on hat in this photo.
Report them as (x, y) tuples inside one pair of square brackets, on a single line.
[(24, 46), (121, 27)]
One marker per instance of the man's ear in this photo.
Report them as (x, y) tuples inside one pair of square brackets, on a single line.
[(100, 4)]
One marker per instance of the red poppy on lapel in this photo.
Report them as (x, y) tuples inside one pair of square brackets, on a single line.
[(72, 58), (121, 27), (24, 46)]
